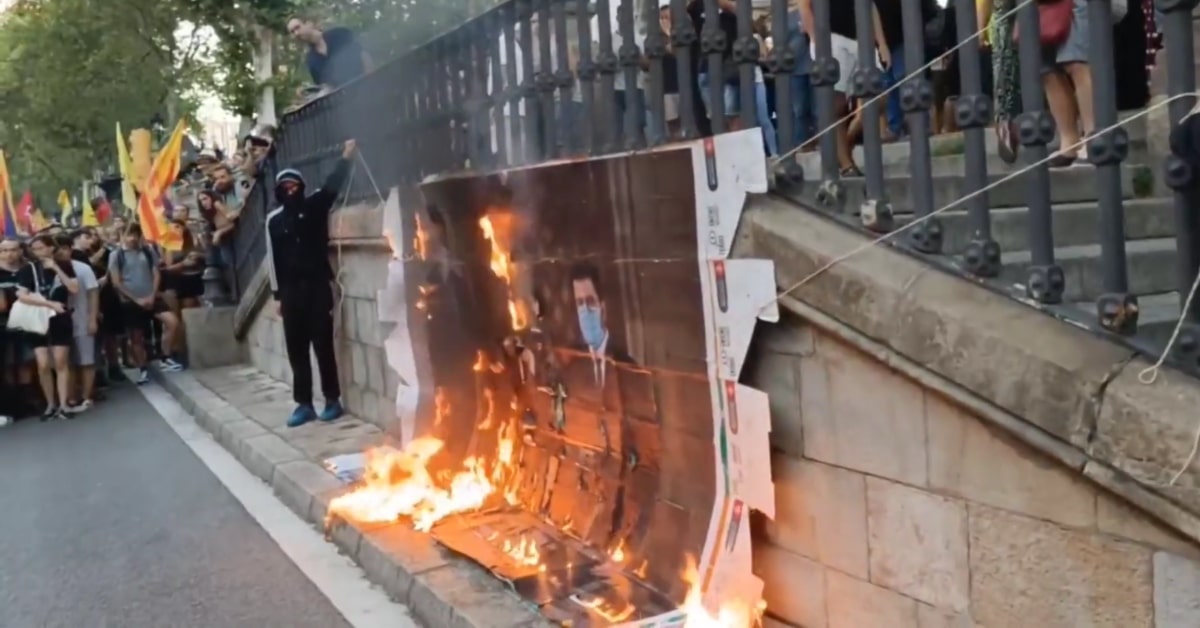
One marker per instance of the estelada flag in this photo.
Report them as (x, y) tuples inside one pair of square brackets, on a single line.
[(23, 209), (8, 219), (155, 225), (37, 221), (103, 211)]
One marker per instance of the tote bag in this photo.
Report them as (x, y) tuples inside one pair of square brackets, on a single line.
[(32, 319)]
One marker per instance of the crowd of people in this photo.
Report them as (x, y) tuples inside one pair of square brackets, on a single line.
[(114, 300)]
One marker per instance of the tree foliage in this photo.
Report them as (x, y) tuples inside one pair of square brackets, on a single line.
[(70, 69)]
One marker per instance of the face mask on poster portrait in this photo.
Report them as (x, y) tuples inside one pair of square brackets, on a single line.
[(591, 326)]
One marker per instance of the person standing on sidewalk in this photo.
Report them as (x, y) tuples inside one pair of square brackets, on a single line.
[(133, 270), (298, 256)]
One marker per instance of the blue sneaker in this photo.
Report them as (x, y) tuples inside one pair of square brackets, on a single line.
[(301, 415), (333, 410)]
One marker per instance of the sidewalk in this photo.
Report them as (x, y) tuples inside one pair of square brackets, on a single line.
[(245, 410)]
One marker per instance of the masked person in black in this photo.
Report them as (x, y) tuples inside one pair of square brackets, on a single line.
[(297, 249)]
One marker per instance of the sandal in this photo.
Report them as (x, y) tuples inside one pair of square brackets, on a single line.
[(1061, 160), (850, 172), (1006, 141)]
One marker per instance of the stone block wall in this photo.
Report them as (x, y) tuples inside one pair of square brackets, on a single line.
[(896, 508), (368, 385)]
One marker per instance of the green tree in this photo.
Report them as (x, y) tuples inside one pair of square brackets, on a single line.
[(69, 70)]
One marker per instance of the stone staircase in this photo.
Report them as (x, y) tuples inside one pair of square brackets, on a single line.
[(1149, 221)]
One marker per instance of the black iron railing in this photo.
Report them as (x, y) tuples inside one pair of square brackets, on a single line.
[(532, 80)]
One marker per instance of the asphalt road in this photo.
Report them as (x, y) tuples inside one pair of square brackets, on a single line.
[(111, 520)]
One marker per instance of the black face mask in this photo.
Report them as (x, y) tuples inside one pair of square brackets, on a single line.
[(289, 197)]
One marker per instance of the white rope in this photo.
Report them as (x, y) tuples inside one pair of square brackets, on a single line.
[(341, 269), (1012, 175)]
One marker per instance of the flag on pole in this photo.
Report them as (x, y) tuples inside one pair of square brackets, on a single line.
[(89, 215), (37, 221), (24, 207), (64, 205), (8, 219), (103, 211), (125, 166), (153, 219)]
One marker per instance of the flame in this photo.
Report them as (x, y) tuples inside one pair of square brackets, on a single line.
[(608, 610), (618, 552), (501, 265), (398, 484), (420, 239), (524, 552), (731, 613)]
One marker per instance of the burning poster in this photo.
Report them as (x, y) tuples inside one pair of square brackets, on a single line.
[(576, 334)]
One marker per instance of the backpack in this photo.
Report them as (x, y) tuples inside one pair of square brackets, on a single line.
[(121, 258)]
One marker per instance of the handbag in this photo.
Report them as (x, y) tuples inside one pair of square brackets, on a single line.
[(1054, 22), (31, 319)]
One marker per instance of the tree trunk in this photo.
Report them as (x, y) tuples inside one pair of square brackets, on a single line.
[(264, 70)]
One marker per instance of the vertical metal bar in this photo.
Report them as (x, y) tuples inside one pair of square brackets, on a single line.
[(545, 79), (866, 82), (457, 45), (683, 38), (1181, 176), (529, 86), (1117, 309), (475, 70), (927, 236), (745, 55), (713, 45), (630, 56), (607, 64), (499, 97), (825, 74), (568, 126), (586, 72), (973, 113), (781, 60), (656, 49), (1035, 129), (511, 13), (439, 129)]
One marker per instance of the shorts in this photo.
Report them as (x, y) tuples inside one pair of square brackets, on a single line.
[(1075, 48), (61, 333), (845, 50), (111, 320), (137, 318), (83, 351), (189, 286)]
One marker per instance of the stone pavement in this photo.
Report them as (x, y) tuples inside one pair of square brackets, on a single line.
[(245, 410)]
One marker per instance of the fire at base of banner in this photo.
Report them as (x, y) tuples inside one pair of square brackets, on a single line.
[(475, 511)]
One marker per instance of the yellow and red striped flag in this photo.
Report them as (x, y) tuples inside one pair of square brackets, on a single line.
[(155, 226)]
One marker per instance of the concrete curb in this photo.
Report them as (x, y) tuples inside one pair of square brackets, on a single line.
[(440, 589)]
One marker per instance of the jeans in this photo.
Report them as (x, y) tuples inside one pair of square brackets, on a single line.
[(893, 75), (732, 96), (804, 118)]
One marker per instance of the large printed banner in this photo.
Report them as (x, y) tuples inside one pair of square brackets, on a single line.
[(570, 336)]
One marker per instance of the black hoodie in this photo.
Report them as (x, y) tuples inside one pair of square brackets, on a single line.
[(298, 235)]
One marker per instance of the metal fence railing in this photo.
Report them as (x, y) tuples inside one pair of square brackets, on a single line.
[(532, 80)]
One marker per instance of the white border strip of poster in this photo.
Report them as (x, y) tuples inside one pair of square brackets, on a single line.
[(736, 293)]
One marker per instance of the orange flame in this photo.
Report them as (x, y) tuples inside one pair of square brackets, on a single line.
[(398, 484), (732, 613), (524, 552), (420, 239), (501, 265), (618, 552)]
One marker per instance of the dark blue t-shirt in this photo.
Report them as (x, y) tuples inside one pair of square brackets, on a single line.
[(342, 62)]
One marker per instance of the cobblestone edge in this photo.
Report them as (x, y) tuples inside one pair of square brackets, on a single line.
[(439, 589)]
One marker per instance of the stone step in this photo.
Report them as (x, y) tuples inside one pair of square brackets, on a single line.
[(1067, 185), (947, 151), (1074, 224), (1150, 263)]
